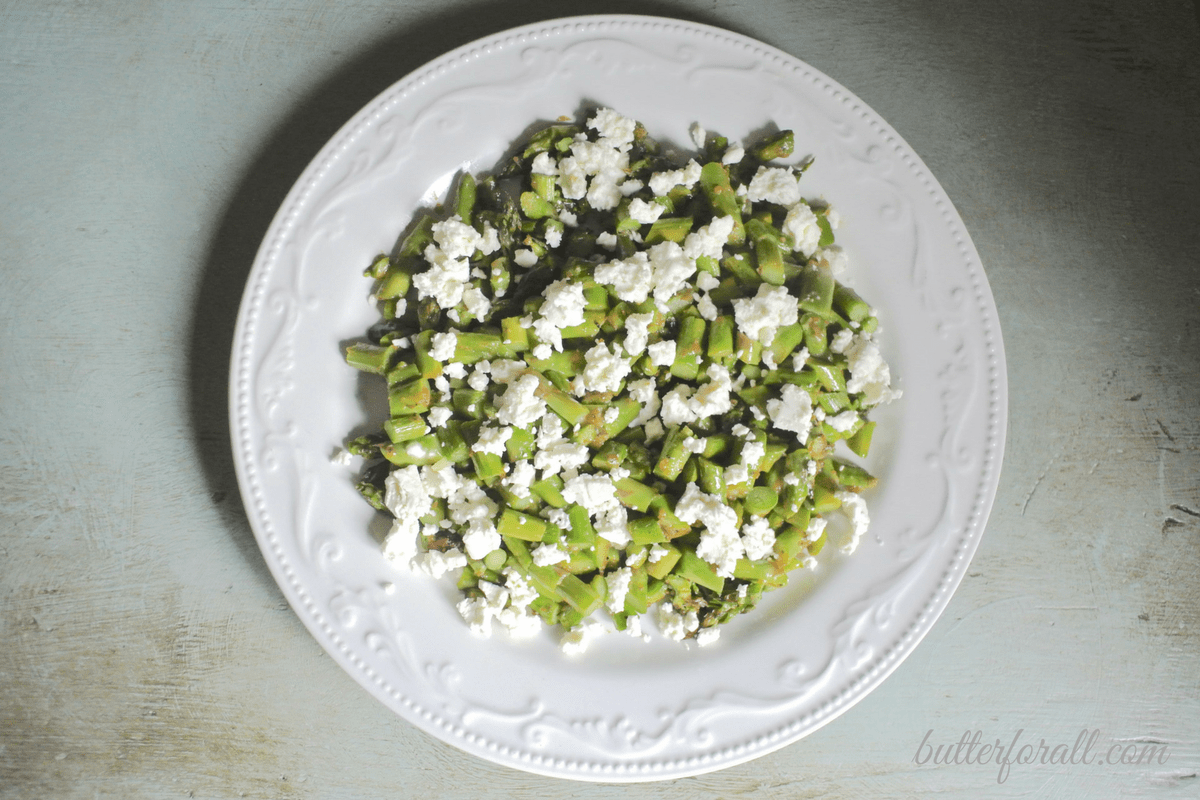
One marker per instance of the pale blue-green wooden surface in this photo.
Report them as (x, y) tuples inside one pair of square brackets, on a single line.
[(144, 146)]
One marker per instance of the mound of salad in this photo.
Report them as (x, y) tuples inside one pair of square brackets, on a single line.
[(615, 385)]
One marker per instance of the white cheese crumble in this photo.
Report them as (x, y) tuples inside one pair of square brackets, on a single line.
[(546, 554), (735, 153), (618, 587), (708, 240), (844, 421), (492, 439), (644, 212), (855, 509), (577, 640), (436, 563), (662, 354), (520, 405), (770, 309), (869, 373), (801, 224), (442, 346), (663, 182), (720, 544), (604, 369), (792, 411), (674, 625), (525, 258), (774, 185), (758, 538)]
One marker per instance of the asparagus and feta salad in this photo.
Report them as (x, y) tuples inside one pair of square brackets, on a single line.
[(615, 384)]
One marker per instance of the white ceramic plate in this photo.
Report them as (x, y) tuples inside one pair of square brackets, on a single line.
[(627, 710)]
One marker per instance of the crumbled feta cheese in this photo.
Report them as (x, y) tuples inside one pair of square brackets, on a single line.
[(445, 279), (521, 623), (816, 526), (481, 538), (478, 380), (733, 154), (520, 405), (563, 306), (735, 474), (607, 240), (613, 524), (657, 553), (477, 613), (525, 257), (576, 641), (694, 445), (476, 302), (543, 164), (442, 346), (712, 398), (616, 129), (662, 354), (595, 492), (676, 410), (631, 186), (604, 369), (505, 369), (654, 430), (546, 554), (758, 538), (663, 182), (869, 373), (706, 281), (708, 309), (800, 359), (708, 240), (342, 458), (518, 479), (611, 414), (520, 592), (770, 309), (455, 238), (708, 636), (644, 212), (632, 278), (643, 392), (618, 586), (834, 258), (671, 268), (792, 411), (492, 439), (698, 135), (454, 369), (844, 421), (675, 625), (801, 224), (637, 332), (436, 563), (720, 544), (855, 509), (752, 454), (774, 185), (438, 415)]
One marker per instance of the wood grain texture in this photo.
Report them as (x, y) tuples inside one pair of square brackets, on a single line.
[(146, 650)]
